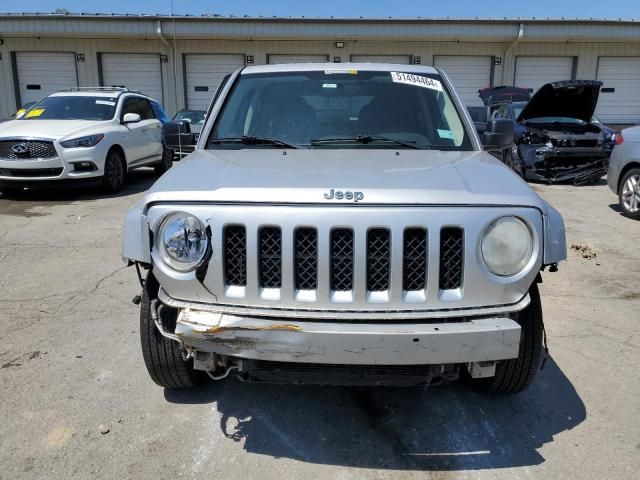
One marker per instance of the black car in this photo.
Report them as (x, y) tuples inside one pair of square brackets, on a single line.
[(556, 137), (182, 132)]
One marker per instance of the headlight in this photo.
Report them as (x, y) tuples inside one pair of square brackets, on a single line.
[(88, 141), (182, 241), (507, 246)]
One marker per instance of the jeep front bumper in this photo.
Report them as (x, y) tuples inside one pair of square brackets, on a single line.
[(288, 340)]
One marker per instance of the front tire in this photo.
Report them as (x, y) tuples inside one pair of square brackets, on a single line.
[(515, 375), (114, 172), (166, 163), (162, 356), (629, 194)]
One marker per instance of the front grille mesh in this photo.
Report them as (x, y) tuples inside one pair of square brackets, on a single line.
[(414, 257), (342, 259), (34, 149), (378, 260), (306, 258), (235, 255), (451, 258), (270, 256), (345, 274)]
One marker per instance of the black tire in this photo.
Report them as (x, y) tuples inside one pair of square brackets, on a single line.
[(513, 376), (114, 172), (166, 163), (634, 172), (162, 356)]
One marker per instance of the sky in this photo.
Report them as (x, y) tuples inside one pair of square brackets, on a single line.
[(625, 9)]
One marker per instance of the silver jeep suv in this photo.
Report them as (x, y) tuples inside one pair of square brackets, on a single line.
[(342, 224)]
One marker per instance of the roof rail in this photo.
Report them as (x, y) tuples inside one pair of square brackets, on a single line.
[(102, 89)]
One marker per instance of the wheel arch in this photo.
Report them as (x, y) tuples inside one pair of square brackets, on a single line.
[(119, 149), (629, 166)]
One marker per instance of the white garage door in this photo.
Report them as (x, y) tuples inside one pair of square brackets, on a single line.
[(468, 75), (402, 59), (622, 74), (275, 59), (204, 73), (534, 72), (43, 73), (135, 71)]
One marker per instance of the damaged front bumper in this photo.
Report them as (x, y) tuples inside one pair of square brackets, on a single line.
[(299, 341), (559, 165)]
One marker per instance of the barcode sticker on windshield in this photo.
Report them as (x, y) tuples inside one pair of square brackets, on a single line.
[(416, 80), (105, 102)]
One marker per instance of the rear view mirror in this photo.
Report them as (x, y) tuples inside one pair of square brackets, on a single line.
[(178, 133), (498, 134)]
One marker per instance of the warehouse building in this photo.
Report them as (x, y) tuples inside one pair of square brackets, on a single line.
[(180, 60)]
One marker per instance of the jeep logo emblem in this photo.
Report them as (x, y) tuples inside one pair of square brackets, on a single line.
[(347, 195), (20, 148)]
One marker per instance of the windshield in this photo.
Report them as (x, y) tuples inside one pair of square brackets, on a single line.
[(72, 108), (517, 109), (194, 117), (339, 109)]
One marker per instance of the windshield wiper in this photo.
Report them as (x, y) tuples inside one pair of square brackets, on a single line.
[(249, 140), (368, 139)]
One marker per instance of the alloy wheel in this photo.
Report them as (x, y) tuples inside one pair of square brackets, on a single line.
[(631, 194)]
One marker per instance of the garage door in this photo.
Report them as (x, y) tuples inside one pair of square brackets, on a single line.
[(275, 59), (43, 73), (203, 73), (534, 72), (468, 75), (135, 71), (622, 104), (402, 59)]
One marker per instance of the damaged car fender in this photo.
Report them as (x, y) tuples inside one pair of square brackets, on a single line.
[(555, 241)]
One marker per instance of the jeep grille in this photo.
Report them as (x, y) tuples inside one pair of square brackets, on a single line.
[(341, 258)]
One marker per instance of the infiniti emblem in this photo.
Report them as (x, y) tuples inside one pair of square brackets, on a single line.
[(20, 148)]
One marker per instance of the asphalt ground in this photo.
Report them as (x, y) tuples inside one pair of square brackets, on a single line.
[(76, 400)]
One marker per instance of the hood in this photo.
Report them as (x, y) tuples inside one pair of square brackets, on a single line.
[(53, 129), (503, 94), (570, 98), (380, 177)]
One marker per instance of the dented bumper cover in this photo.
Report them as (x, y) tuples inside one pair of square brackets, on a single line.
[(475, 340), (555, 164)]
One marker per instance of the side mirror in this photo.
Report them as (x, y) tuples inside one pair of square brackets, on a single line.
[(498, 134), (178, 133), (131, 118)]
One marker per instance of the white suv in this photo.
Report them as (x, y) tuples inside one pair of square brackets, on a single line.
[(92, 135)]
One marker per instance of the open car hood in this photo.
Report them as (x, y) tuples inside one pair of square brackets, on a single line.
[(503, 94), (569, 98)]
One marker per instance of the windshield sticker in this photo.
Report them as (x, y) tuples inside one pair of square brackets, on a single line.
[(36, 112), (445, 134), (105, 102), (329, 85), (348, 72), (416, 80)]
